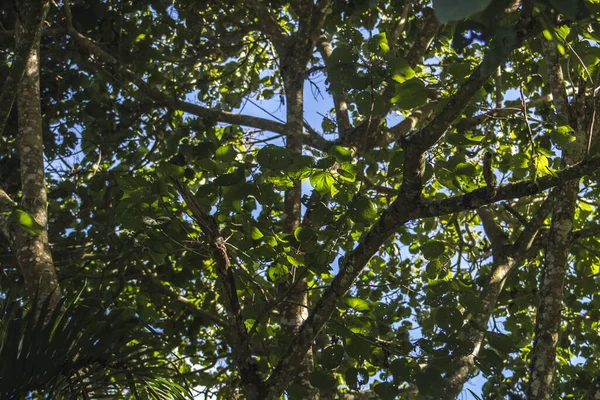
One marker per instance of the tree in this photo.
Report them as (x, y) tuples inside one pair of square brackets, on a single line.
[(435, 220)]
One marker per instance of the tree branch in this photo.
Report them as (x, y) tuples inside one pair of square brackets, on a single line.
[(548, 315), (339, 101), (239, 336), (311, 139), (318, 17), (177, 298), (416, 145), (527, 236), (555, 74), (394, 34), (495, 234), (391, 220), (383, 138), (585, 233), (269, 25), (31, 29), (372, 124), (506, 258)]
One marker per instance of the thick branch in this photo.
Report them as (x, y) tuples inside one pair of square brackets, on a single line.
[(391, 221), (585, 233), (319, 14), (505, 259), (381, 138), (85, 44), (339, 101), (555, 74), (478, 197), (31, 29), (239, 335), (398, 28), (269, 25), (493, 231), (372, 124), (416, 146), (527, 236), (548, 316)]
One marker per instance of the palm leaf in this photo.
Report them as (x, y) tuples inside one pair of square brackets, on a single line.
[(79, 351)]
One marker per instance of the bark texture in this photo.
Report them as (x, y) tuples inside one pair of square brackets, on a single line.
[(506, 256), (33, 251), (294, 56), (28, 35), (548, 315)]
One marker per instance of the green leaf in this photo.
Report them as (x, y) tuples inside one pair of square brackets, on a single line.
[(357, 304), (400, 369), (305, 235), (323, 182), (386, 390), (455, 10), (575, 10), (357, 347), (157, 257), (563, 136), (489, 361), (501, 342), (351, 378), (465, 169), (342, 154), (342, 55), (400, 70), (322, 380), (296, 260), (433, 249), (464, 175), (230, 179), (433, 268), (459, 71), (172, 170), (379, 43), (256, 233), (27, 222), (364, 210), (332, 356), (448, 318), (278, 272), (226, 153), (274, 157), (430, 382), (410, 94)]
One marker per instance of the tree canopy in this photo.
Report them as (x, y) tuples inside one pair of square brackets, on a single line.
[(315, 199)]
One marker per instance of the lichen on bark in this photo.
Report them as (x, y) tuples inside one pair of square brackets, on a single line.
[(33, 251)]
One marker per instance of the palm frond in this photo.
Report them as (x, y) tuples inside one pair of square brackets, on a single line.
[(79, 350)]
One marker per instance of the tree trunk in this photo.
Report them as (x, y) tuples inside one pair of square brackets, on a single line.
[(295, 307), (548, 315), (33, 251)]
